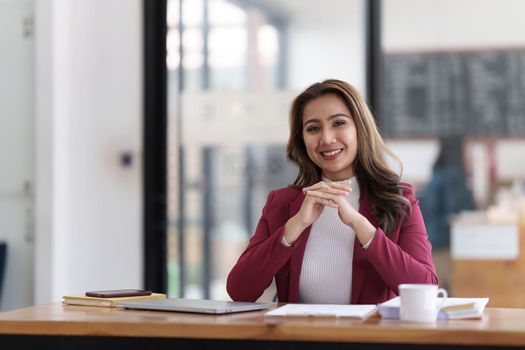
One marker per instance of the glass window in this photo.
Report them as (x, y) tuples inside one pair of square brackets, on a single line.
[(225, 13), (242, 63), (227, 57)]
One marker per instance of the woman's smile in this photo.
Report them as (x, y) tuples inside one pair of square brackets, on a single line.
[(331, 154)]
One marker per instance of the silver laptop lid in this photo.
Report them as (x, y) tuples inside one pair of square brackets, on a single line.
[(195, 305)]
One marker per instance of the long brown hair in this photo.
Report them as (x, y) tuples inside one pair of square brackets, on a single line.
[(371, 169)]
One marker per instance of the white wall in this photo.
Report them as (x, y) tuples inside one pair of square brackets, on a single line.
[(89, 110), (414, 24), (326, 40)]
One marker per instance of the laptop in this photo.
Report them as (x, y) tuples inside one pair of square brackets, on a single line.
[(195, 305)]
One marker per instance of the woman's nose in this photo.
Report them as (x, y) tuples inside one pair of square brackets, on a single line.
[(327, 137)]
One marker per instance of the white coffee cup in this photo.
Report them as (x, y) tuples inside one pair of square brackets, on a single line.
[(419, 302)]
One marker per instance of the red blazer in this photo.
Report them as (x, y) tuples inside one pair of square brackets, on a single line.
[(405, 257)]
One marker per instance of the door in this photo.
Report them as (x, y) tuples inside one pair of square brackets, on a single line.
[(16, 150)]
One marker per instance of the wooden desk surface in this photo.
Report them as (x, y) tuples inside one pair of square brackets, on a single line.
[(504, 327)]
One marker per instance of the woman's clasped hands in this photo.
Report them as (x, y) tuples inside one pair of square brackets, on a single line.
[(331, 194)]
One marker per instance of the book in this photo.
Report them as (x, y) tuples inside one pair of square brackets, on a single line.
[(467, 310), (460, 307), (324, 310), (453, 308), (107, 302)]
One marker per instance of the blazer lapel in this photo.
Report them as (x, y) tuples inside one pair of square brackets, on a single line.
[(296, 259), (359, 269)]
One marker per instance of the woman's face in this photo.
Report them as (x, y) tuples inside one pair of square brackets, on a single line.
[(330, 136)]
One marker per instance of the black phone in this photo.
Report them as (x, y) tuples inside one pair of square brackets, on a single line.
[(115, 293)]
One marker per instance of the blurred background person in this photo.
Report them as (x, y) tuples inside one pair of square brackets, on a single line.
[(445, 195)]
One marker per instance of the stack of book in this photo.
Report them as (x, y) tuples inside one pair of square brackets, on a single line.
[(107, 302), (453, 308), (465, 310)]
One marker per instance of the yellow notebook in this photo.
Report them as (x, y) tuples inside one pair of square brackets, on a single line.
[(107, 302)]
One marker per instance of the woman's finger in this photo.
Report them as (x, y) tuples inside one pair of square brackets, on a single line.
[(323, 195), (344, 186), (335, 191), (319, 185), (323, 201)]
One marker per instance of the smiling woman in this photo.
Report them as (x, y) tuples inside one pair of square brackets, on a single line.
[(346, 217)]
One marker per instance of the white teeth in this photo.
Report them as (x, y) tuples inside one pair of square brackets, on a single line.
[(331, 153)]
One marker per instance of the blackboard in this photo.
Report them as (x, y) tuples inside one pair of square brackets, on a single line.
[(476, 93)]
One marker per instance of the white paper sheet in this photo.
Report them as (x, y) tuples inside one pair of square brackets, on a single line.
[(320, 310)]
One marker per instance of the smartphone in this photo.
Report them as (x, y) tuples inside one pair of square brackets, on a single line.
[(115, 293)]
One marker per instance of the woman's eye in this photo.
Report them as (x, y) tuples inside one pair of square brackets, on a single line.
[(339, 123), (312, 129)]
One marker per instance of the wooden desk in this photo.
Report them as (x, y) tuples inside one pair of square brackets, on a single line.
[(76, 327)]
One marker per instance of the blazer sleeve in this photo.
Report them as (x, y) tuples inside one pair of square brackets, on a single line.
[(262, 259), (410, 259)]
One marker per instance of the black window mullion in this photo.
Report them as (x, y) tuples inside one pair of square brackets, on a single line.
[(373, 55), (155, 146)]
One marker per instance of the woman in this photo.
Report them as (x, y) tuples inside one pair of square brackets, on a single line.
[(347, 230)]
